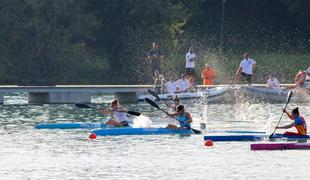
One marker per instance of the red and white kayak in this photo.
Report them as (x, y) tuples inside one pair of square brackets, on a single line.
[(279, 146)]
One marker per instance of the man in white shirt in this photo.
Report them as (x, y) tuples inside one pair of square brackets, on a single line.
[(170, 86), (246, 68), (190, 65), (273, 82), (183, 84)]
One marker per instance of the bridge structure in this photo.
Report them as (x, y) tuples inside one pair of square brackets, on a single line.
[(82, 93)]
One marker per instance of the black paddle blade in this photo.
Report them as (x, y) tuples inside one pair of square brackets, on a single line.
[(152, 103), (134, 113), (195, 131), (153, 93), (81, 105)]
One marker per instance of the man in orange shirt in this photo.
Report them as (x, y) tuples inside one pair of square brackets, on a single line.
[(208, 75)]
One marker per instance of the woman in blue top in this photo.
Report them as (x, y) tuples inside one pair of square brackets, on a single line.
[(183, 117)]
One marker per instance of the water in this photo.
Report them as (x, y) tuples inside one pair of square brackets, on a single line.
[(28, 153)]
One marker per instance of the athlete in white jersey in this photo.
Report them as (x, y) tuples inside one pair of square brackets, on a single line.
[(119, 113)]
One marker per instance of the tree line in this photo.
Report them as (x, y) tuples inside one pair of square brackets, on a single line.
[(106, 42)]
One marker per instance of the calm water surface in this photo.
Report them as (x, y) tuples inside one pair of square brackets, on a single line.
[(28, 153)]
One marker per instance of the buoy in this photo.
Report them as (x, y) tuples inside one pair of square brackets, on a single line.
[(92, 136), (208, 143)]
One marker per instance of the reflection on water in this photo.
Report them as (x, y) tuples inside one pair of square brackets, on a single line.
[(56, 154)]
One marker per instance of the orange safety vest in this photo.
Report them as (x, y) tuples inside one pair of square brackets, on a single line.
[(208, 75)]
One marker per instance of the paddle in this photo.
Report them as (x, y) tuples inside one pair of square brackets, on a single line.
[(152, 103), (289, 95), (153, 93), (81, 105)]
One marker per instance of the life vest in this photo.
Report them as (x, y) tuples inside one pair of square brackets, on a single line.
[(301, 125), (208, 75)]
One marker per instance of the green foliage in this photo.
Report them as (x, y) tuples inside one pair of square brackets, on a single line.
[(107, 42)]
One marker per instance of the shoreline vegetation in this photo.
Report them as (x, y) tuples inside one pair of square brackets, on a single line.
[(107, 42)]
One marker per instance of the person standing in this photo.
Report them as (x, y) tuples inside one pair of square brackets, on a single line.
[(190, 65), (207, 75), (245, 69), (155, 57)]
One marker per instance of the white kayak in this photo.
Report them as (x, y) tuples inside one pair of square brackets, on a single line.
[(209, 93)]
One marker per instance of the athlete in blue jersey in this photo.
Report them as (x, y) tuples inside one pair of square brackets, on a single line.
[(183, 117)]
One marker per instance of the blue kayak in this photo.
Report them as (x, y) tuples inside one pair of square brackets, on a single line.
[(139, 131), (251, 137), (71, 126)]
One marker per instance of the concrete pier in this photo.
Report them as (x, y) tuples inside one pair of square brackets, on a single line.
[(59, 97), (82, 93)]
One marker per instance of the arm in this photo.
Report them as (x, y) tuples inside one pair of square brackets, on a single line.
[(189, 117), (286, 127), (288, 114)]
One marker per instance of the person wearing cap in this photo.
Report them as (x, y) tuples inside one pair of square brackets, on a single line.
[(120, 117), (245, 69), (207, 75), (176, 102), (182, 116), (299, 123)]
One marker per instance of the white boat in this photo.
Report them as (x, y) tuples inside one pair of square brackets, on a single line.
[(269, 94), (212, 93)]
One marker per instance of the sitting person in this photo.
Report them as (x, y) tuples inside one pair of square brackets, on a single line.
[(273, 83), (119, 114), (183, 84), (170, 86), (183, 117), (299, 123)]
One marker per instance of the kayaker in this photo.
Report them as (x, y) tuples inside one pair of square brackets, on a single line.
[(183, 117), (120, 117), (299, 123), (176, 102)]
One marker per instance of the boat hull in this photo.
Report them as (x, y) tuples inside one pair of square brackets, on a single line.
[(139, 131), (279, 146), (212, 93), (251, 137), (71, 126)]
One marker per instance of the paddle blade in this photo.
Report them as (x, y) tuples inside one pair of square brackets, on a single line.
[(153, 93), (81, 105), (152, 103), (134, 113), (289, 95), (195, 131)]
